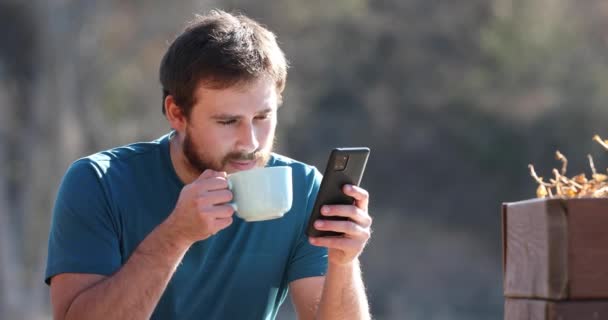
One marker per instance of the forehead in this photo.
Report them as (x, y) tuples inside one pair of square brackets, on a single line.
[(245, 98)]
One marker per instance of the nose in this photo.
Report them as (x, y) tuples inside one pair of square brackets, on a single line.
[(248, 140)]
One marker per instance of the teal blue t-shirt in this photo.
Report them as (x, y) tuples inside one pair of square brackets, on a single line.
[(108, 202)]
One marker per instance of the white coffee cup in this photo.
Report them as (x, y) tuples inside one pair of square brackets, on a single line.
[(262, 193)]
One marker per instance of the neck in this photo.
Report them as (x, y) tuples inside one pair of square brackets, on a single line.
[(185, 172)]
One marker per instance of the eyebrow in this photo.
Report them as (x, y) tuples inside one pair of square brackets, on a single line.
[(225, 116)]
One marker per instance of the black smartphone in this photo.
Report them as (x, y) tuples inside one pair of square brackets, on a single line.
[(345, 166)]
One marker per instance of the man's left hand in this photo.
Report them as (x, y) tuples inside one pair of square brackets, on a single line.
[(357, 229)]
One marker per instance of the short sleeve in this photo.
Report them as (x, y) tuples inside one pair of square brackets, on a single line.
[(308, 260), (83, 236)]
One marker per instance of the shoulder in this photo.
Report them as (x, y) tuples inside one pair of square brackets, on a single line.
[(111, 171), (118, 159)]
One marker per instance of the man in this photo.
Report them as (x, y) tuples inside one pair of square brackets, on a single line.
[(145, 231)]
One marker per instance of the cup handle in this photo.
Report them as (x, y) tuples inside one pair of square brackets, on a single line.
[(231, 203)]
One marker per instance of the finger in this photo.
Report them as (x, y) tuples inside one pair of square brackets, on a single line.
[(217, 212), (223, 223), (344, 244), (354, 213), (349, 228), (360, 195), (224, 211), (212, 198), (213, 183), (209, 173)]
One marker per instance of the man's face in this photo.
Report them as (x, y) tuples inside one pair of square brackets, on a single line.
[(231, 129)]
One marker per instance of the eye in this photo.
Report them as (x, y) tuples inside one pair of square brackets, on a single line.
[(227, 122), (263, 116)]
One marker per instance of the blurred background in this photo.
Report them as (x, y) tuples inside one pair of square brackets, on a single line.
[(454, 98)]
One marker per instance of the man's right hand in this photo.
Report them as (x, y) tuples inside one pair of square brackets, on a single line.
[(202, 210)]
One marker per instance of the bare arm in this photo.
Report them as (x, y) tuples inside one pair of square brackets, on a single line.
[(343, 293), (306, 295), (130, 293), (135, 289), (338, 295)]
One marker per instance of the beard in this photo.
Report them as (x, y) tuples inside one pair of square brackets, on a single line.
[(201, 161)]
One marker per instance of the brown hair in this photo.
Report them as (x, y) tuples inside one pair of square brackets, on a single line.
[(220, 50)]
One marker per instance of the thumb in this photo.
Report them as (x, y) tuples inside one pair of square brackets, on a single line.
[(209, 173)]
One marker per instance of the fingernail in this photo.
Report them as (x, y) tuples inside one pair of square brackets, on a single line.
[(319, 223), (325, 209)]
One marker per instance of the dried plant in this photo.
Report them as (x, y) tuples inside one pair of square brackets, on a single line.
[(576, 187)]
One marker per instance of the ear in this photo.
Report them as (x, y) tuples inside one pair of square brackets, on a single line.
[(175, 115)]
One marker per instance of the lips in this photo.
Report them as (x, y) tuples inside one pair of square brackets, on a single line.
[(243, 165)]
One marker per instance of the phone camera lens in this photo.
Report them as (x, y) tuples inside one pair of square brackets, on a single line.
[(341, 162)]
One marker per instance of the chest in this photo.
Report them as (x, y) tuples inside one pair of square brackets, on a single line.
[(241, 268)]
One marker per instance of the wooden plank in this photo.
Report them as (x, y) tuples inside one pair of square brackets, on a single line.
[(535, 249), (521, 309), (556, 249), (527, 309), (588, 243)]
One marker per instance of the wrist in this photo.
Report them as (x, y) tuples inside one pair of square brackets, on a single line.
[(354, 264), (171, 235), (163, 247)]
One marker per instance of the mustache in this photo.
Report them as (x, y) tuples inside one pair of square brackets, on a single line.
[(244, 156)]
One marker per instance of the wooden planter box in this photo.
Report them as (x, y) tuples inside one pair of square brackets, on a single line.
[(555, 249), (523, 309)]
